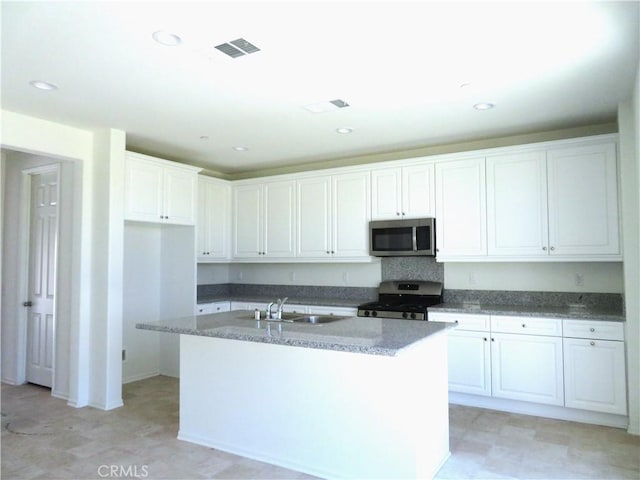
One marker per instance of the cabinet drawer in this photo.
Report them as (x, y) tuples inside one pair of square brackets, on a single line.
[(593, 329), (526, 325), (477, 323)]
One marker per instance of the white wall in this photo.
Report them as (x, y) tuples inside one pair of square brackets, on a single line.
[(159, 284), (629, 121), (600, 277), (88, 382)]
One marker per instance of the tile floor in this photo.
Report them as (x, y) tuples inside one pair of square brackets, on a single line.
[(44, 438)]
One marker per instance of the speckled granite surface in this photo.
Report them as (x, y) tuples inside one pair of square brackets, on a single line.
[(579, 313), (353, 334), (298, 294)]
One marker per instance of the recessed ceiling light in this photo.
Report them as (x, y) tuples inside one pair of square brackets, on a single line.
[(204, 137), (167, 39), (240, 148), (39, 84), (483, 106), (465, 85), (344, 130)]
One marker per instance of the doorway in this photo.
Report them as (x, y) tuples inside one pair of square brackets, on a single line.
[(43, 192)]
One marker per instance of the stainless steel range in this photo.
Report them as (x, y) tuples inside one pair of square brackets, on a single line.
[(403, 300)]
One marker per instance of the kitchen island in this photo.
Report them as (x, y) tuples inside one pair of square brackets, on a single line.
[(353, 398)]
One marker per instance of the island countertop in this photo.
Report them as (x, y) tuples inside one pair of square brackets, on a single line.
[(374, 336)]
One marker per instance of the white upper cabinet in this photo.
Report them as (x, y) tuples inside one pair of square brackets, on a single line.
[(159, 191), (333, 216), (351, 212), (557, 203), (461, 209), (214, 215), (406, 192), (583, 200), (517, 204), (264, 220), (314, 217)]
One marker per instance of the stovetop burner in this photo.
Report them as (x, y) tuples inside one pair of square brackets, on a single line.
[(403, 300)]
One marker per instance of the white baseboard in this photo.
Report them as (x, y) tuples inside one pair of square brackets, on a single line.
[(140, 376), (539, 410)]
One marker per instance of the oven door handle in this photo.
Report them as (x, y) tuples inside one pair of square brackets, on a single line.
[(414, 238)]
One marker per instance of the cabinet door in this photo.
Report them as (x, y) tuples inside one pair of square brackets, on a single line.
[(180, 194), (527, 367), (517, 204), (143, 187), (247, 233), (470, 362), (213, 219), (461, 208), (313, 217), (583, 200), (279, 219), (385, 193), (351, 209), (418, 191), (594, 375)]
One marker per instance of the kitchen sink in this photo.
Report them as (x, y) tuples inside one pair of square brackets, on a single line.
[(315, 319), (286, 316)]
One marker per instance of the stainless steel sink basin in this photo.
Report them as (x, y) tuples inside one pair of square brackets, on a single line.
[(318, 319)]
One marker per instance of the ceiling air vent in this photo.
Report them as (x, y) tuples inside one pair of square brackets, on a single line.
[(237, 48)]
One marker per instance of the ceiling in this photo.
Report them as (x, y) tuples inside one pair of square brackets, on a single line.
[(411, 73)]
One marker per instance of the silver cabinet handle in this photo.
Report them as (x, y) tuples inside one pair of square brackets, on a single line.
[(552, 248), (592, 329), (544, 248), (592, 343), (28, 303)]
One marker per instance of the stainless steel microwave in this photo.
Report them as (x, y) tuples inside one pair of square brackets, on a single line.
[(399, 238)]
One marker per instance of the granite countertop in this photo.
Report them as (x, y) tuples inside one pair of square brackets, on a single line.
[(353, 334), (329, 302), (568, 312)]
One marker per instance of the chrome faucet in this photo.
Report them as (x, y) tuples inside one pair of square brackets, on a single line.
[(281, 306), (277, 315), (270, 314)]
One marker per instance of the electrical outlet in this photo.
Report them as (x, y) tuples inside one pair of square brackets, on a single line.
[(579, 280), (345, 277), (292, 276), (473, 279)]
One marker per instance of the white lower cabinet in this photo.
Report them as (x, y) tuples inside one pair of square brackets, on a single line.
[(469, 355), (213, 307), (578, 364), (527, 367), (594, 369), (340, 311)]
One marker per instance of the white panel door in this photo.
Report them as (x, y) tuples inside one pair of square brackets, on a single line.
[(143, 189), (527, 367), (469, 362), (279, 219), (418, 191), (461, 208), (385, 193), (313, 217), (595, 375), (180, 190), (517, 204), (42, 278), (247, 238), (583, 200), (351, 208)]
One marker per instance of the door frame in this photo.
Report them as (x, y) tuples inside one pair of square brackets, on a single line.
[(23, 262)]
